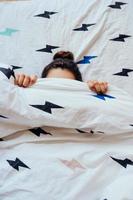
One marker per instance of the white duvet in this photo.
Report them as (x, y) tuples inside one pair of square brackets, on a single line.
[(63, 103), (39, 160)]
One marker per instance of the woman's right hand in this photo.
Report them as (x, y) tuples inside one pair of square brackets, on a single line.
[(23, 80)]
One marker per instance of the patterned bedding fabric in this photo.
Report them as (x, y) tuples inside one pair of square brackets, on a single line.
[(58, 139), (62, 103)]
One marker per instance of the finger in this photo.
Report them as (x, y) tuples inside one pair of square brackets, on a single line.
[(103, 88), (106, 86), (94, 89), (33, 79), (97, 88), (21, 79), (26, 81), (16, 79), (91, 83), (94, 82)]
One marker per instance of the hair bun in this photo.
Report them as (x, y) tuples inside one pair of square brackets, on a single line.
[(64, 54)]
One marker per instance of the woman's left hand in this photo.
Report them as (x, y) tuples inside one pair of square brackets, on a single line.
[(98, 87)]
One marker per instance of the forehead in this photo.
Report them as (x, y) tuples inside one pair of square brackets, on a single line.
[(59, 70), (60, 73)]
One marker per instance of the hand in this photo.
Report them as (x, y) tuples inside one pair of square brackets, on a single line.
[(98, 87), (23, 80)]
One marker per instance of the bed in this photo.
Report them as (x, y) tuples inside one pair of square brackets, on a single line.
[(66, 160)]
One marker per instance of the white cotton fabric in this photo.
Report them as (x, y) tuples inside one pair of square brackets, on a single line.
[(68, 164), (80, 107), (71, 164)]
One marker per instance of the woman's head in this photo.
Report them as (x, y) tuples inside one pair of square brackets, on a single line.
[(62, 66)]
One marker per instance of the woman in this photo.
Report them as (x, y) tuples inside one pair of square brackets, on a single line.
[(62, 66)]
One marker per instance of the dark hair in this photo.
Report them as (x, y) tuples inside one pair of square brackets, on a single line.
[(63, 60)]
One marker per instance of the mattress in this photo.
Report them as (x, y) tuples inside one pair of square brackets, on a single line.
[(67, 162)]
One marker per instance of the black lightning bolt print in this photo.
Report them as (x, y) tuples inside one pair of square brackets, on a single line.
[(17, 163), (84, 27), (8, 72), (39, 131), (48, 48), (100, 131), (92, 131), (117, 5), (3, 116), (15, 67), (81, 131), (120, 38), (124, 72), (46, 14), (124, 162), (1, 139), (47, 107)]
